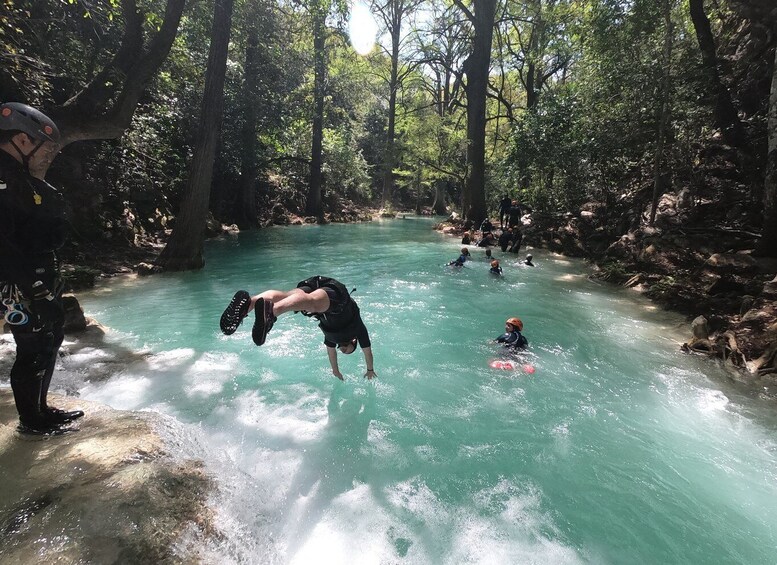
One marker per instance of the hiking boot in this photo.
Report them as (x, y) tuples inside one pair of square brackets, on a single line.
[(42, 428), (57, 417), (235, 312), (264, 320)]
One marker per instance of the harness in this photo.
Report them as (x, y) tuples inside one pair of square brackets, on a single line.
[(11, 305)]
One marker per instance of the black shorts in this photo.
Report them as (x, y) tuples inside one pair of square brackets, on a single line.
[(334, 300)]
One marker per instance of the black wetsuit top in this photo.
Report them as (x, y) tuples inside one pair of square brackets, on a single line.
[(342, 321), (32, 227), (513, 339)]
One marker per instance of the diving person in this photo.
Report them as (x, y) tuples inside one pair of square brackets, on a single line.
[(495, 268), (323, 298), (32, 229)]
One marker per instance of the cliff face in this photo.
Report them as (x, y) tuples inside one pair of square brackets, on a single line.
[(107, 493)]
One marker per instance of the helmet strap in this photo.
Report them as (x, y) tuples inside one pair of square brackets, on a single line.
[(26, 158)]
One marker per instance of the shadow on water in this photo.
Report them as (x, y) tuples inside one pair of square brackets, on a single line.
[(335, 464)]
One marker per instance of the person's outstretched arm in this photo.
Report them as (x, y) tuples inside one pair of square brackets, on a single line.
[(332, 354), (369, 360)]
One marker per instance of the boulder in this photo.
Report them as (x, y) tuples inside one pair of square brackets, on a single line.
[(770, 289), (145, 269), (754, 315), (74, 314), (699, 328), (732, 263)]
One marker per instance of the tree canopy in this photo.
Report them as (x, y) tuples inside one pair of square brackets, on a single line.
[(556, 103)]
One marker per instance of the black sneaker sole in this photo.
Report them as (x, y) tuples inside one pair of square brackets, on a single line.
[(44, 432), (234, 313), (263, 322)]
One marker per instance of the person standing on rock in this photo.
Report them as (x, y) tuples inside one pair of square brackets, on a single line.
[(32, 229)]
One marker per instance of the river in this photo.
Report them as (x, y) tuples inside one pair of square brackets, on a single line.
[(616, 449)]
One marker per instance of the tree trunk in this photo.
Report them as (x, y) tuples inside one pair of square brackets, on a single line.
[(103, 109), (438, 207), (314, 205), (388, 171), (663, 118), (768, 243), (726, 115), (247, 213), (476, 68), (184, 250)]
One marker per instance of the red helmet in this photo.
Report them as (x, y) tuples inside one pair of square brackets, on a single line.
[(516, 323)]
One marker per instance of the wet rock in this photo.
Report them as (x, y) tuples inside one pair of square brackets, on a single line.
[(754, 315), (732, 263), (212, 226), (146, 269), (747, 303), (107, 493), (699, 328), (74, 315), (770, 289)]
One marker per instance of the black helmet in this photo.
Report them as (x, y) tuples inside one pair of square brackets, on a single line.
[(36, 124)]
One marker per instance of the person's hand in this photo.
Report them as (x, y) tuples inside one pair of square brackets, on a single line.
[(48, 310), (370, 375), (337, 374)]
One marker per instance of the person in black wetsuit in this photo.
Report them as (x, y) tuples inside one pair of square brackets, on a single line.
[(323, 298), (513, 338), (505, 238), (504, 211), (32, 229)]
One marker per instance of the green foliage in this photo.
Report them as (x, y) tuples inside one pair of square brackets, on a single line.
[(615, 272), (344, 170)]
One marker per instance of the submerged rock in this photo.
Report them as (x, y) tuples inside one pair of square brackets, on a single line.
[(107, 493)]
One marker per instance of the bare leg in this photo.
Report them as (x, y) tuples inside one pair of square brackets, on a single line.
[(294, 300)]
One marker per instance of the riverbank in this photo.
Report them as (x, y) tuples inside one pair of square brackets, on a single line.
[(110, 492)]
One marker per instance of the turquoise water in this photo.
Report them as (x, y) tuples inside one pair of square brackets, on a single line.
[(617, 449)]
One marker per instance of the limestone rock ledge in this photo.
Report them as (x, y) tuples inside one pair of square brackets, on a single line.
[(108, 493)]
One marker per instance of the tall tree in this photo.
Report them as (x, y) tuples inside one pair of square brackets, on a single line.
[(249, 166), (393, 13), (442, 54), (726, 114), (664, 109), (768, 244), (104, 107), (314, 205), (184, 250), (476, 67)]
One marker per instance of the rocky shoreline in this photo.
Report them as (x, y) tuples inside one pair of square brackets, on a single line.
[(108, 493)]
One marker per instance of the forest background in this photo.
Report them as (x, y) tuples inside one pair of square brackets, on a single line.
[(639, 131)]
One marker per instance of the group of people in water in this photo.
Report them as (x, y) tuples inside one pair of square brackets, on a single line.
[(509, 239)]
